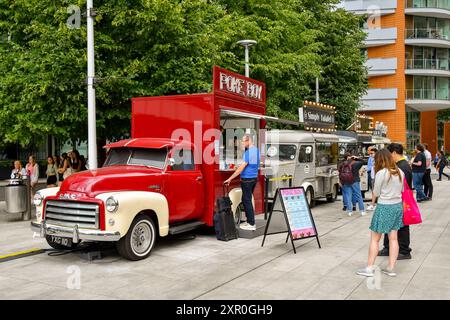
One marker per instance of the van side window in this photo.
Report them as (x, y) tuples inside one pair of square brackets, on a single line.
[(184, 161), (306, 154), (326, 153)]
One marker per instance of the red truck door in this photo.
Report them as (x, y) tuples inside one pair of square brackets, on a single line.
[(186, 189)]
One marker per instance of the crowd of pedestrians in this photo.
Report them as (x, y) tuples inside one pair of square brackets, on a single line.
[(389, 175), (58, 169)]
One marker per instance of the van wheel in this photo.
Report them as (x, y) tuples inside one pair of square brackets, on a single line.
[(310, 197), (59, 246), (332, 197), (140, 239)]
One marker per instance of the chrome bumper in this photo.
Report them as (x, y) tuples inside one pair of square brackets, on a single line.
[(74, 233)]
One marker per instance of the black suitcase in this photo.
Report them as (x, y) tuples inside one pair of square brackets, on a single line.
[(223, 219)]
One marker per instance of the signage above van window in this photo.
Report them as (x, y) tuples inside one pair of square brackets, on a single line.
[(364, 124), (233, 84), (318, 117)]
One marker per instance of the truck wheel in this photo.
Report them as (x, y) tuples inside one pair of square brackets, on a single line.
[(332, 197), (59, 246), (139, 241), (310, 197)]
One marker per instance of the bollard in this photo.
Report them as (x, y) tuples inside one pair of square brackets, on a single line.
[(26, 216)]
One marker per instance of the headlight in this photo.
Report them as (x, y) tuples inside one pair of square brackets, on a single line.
[(37, 200), (112, 204)]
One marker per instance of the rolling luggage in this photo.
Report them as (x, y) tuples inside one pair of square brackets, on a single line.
[(223, 219)]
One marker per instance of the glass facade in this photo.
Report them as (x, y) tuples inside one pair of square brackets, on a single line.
[(412, 128), (441, 4), (429, 28), (429, 88)]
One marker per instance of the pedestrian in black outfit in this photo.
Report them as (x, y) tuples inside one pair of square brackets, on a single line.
[(396, 150), (427, 183), (441, 164)]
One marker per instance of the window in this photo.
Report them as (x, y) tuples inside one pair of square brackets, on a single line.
[(283, 152), (184, 160), (155, 158), (306, 154), (326, 153)]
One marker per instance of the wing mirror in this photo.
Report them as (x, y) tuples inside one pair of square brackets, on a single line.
[(171, 162)]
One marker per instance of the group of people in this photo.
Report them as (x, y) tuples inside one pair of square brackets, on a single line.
[(389, 174), (58, 168)]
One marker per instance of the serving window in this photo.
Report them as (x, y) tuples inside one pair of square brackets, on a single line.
[(233, 127), (326, 153)]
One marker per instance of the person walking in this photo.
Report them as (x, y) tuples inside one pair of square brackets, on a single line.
[(427, 183), (350, 183), (249, 177), (371, 176), (52, 170), (441, 164), (419, 166), (18, 172), (32, 169), (396, 149), (388, 215)]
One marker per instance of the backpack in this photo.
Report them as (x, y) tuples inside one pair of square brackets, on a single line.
[(346, 173), (224, 224)]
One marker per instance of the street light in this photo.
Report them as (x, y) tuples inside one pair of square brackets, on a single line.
[(247, 44), (92, 127), (317, 88)]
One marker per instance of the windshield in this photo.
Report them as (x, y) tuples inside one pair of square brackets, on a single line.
[(281, 151), (155, 158)]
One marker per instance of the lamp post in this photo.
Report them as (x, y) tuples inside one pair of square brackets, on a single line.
[(247, 44), (317, 88), (92, 127)]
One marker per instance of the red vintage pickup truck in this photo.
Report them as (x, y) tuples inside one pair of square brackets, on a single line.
[(166, 179)]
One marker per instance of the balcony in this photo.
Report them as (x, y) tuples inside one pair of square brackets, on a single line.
[(361, 7), (427, 99), (428, 8), (379, 99), (380, 37), (381, 67), (436, 38), (427, 67)]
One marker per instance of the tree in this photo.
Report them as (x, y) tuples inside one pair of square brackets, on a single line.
[(162, 47)]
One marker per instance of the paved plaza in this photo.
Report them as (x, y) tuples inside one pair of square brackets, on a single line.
[(204, 268)]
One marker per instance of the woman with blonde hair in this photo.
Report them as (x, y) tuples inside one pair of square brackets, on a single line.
[(18, 172), (388, 215), (33, 174)]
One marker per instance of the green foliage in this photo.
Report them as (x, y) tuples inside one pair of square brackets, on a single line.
[(444, 115), (162, 47)]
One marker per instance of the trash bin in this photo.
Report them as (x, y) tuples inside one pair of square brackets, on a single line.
[(16, 196)]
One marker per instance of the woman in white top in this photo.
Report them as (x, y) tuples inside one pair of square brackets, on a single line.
[(388, 215), (18, 172), (33, 173)]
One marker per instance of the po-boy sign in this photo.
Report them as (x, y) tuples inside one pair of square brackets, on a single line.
[(233, 84), (318, 116)]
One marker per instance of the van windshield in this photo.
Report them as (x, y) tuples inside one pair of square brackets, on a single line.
[(155, 158), (282, 152)]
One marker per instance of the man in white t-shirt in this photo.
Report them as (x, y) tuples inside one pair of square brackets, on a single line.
[(427, 184)]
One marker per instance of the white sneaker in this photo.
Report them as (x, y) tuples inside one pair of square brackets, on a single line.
[(366, 272), (389, 272), (363, 213), (243, 224), (247, 226), (349, 213), (370, 207)]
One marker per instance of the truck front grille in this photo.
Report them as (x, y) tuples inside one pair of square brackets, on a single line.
[(69, 214)]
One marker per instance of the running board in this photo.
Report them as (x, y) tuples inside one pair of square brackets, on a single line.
[(181, 228)]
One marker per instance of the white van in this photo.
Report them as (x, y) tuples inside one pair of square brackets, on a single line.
[(309, 158)]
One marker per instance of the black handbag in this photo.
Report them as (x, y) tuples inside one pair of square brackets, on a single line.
[(224, 224)]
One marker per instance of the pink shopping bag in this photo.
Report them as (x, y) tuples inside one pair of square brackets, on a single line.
[(411, 213)]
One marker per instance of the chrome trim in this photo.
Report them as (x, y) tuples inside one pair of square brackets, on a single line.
[(75, 234), (69, 213)]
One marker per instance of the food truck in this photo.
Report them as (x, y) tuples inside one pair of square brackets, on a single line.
[(309, 158), (166, 178)]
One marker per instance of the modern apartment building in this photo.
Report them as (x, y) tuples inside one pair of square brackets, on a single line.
[(408, 58)]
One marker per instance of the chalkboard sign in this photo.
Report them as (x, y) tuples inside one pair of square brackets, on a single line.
[(299, 220)]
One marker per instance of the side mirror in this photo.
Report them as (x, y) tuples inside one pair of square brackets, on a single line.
[(171, 162)]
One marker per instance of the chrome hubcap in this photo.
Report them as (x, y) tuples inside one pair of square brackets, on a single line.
[(142, 238)]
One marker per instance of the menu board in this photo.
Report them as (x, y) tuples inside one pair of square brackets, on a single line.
[(299, 220), (297, 211)]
